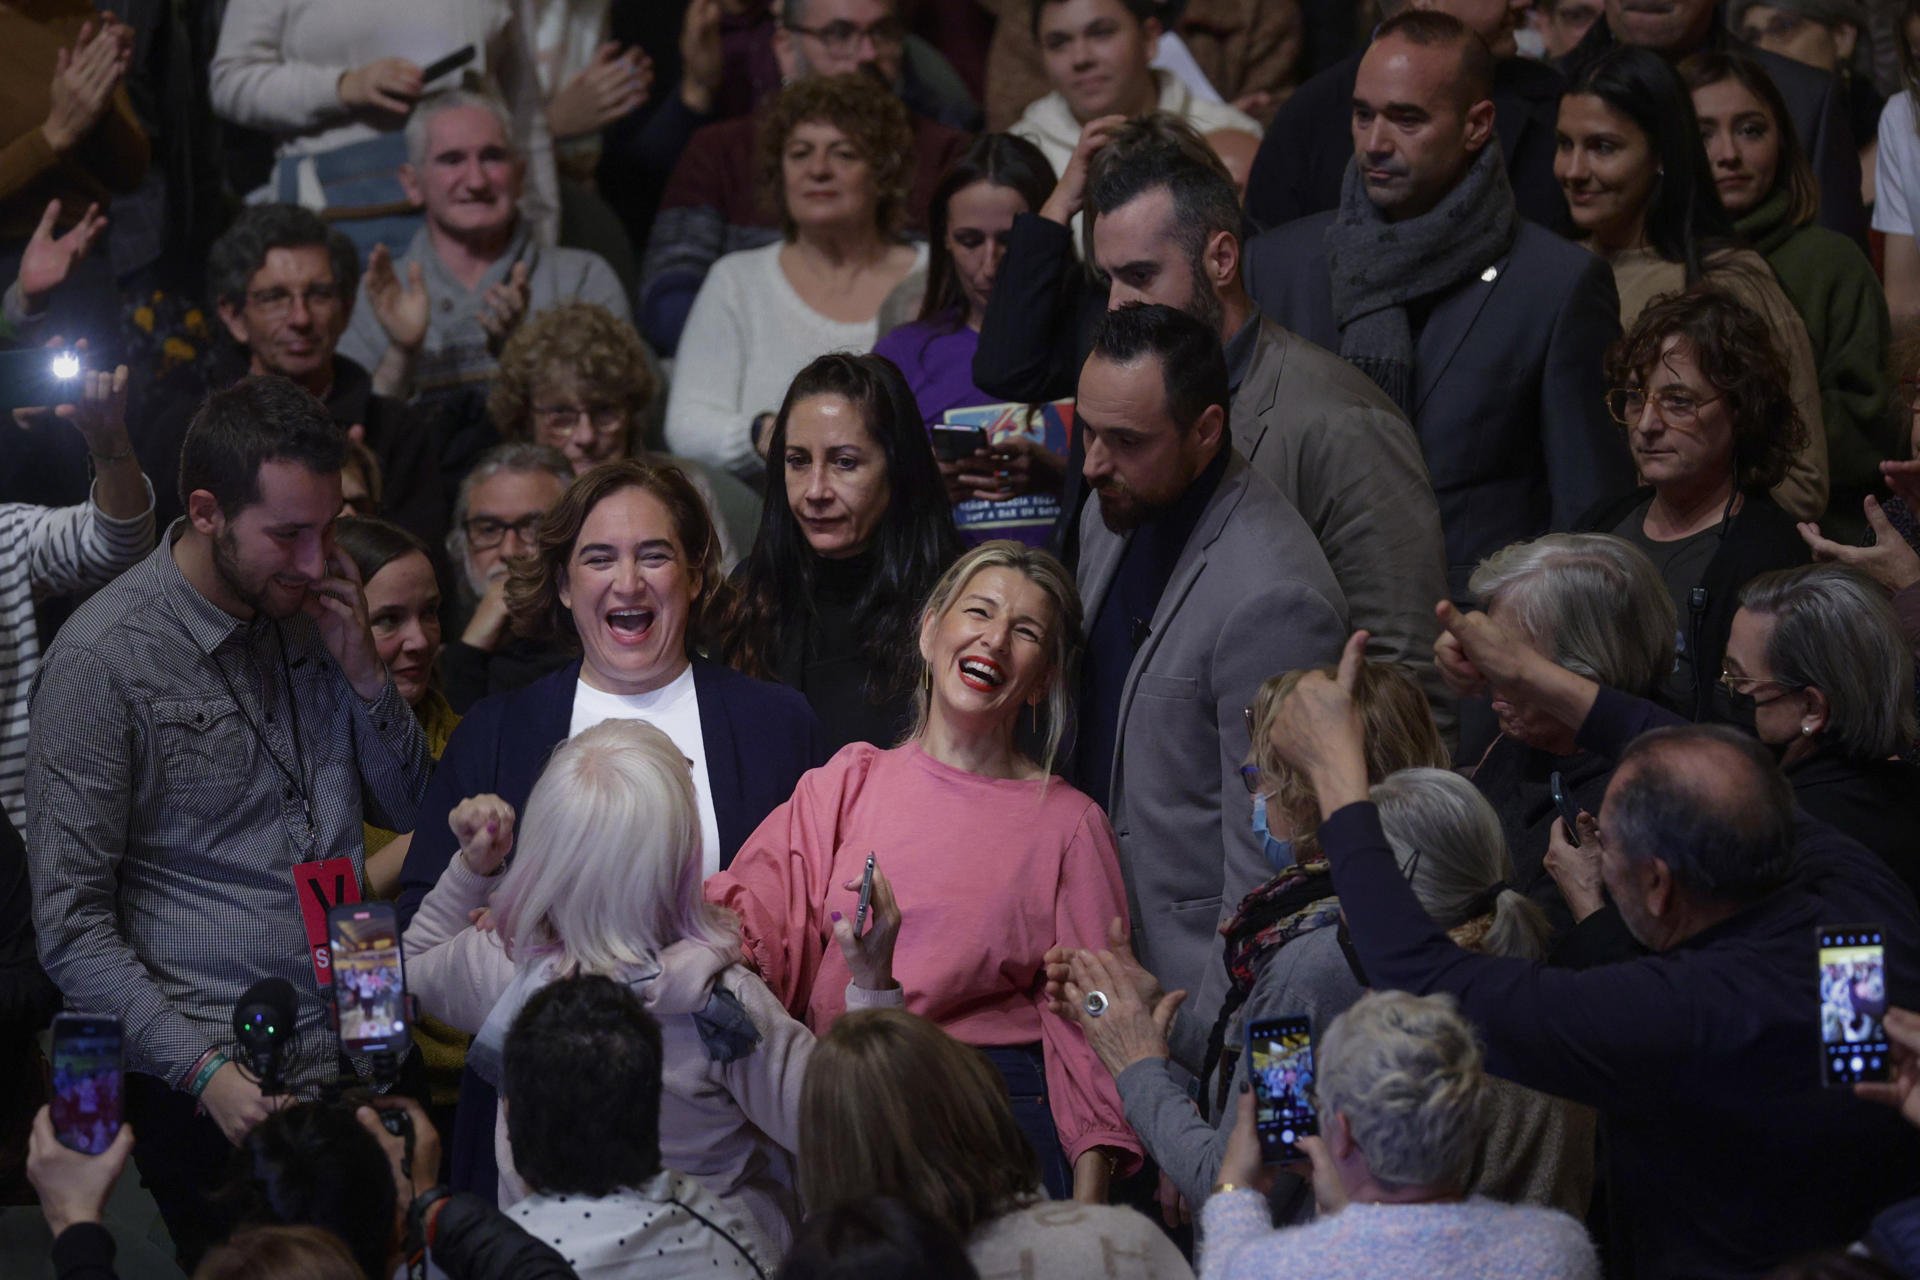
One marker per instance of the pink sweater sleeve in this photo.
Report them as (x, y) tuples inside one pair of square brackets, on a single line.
[(454, 970), (1086, 1104), (777, 883)]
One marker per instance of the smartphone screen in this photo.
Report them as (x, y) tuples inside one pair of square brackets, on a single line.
[(369, 984), (86, 1081), (1853, 1000), (950, 444), (1569, 811), (1280, 1065)]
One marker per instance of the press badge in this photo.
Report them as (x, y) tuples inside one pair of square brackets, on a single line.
[(320, 887)]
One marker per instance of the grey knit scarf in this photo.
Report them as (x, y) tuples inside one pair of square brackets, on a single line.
[(1378, 267)]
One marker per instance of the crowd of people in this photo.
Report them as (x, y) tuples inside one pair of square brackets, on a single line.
[(884, 589)]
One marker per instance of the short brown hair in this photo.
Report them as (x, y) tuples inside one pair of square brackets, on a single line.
[(1737, 354), (1396, 725), (280, 1253), (874, 121), (894, 1106), (534, 580), (580, 340)]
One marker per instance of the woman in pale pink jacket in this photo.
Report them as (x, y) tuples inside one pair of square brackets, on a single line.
[(606, 879)]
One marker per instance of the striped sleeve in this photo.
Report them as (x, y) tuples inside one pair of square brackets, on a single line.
[(79, 548)]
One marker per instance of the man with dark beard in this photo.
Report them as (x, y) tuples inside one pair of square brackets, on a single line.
[(1200, 580), (208, 733)]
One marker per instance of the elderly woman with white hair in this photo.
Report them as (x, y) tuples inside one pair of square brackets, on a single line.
[(1595, 604), (606, 879), (1402, 1097)]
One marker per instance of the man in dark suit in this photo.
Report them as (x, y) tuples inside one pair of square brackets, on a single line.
[(1307, 147), (1200, 581), (1815, 99), (1486, 329)]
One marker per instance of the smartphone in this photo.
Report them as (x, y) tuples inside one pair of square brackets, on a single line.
[(86, 1081), (866, 898), (1280, 1065), (951, 444), (1569, 811), (38, 377), (369, 984), (452, 62), (1853, 1001)]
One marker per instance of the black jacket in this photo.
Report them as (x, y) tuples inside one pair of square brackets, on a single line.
[(1877, 802), (1305, 153), (1760, 538)]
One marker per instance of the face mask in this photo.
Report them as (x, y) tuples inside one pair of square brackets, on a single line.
[(1278, 853), (1739, 710)]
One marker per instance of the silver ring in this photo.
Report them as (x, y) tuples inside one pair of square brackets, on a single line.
[(1095, 1004)]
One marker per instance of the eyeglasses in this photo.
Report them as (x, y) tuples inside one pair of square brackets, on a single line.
[(276, 302), (842, 38), (1733, 684), (484, 533), (560, 419), (1677, 408), (1777, 27)]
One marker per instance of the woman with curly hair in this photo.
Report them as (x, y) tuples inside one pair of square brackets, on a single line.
[(1642, 195), (836, 155), (578, 378), (1700, 387)]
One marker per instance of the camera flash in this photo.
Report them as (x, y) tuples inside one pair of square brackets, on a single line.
[(66, 365)]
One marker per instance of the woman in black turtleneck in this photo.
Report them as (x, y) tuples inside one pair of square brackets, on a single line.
[(854, 532)]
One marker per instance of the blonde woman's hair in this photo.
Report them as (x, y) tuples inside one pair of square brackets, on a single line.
[(607, 860), (1447, 835), (1406, 1072), (894, 1106), (1396, 725), (1063, 633), (280, 1253)]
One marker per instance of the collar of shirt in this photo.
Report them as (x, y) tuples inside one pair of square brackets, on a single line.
[(444, 289)]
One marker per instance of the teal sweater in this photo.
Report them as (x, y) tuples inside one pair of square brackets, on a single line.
[(1832, 285)]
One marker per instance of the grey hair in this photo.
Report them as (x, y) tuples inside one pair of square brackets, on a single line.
[(520, 457), (1406, 1072), (1594, 602), (1711, 803), (450, 100), (1834, 630), (1442, 828)]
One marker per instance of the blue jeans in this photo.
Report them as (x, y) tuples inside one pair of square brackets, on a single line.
[(1025, 1073)]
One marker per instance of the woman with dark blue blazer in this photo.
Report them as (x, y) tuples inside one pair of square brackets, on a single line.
[(627, 565)]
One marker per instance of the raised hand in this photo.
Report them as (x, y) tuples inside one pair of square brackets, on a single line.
[(1316, 729), (402, 309), (73, 1185), (84, 79), (1890, 561), (1070, 193), (614, 82), (870, 956), (483, 825), (49, 259), (502, 306), (386, 84)]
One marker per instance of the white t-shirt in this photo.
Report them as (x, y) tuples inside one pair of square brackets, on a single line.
[(1896, 179), (675, 711)]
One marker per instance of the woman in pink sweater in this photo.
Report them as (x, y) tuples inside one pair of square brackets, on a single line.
[(992, 859)]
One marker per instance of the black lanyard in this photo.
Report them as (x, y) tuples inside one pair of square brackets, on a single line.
[(297, 776)]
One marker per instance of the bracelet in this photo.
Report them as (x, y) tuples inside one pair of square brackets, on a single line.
[(210, 1064), (424, 1214), (1222, 1188), (121, 456)]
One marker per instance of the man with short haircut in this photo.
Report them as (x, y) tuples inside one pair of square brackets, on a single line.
[(1486, 329), (495, 517), (1099, 60), (1815, 99), (436, 319), (1165, 227), (713, 204), (581, 1091), (1308, 146), (208, 734), (1701, 1056), (1200, 581), (283, 285)]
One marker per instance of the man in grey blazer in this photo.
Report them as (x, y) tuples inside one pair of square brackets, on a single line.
[(1200, 580), (1488, 330)]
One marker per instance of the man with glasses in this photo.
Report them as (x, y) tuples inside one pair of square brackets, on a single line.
[(1711, 424), (283, 286), (495, 516), (713, 203)]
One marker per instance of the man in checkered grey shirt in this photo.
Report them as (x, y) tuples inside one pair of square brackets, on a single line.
[(212, 719)]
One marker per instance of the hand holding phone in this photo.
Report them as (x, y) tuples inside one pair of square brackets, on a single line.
[(1280, 1069), (869, 955), (866, 899), (1569, 811), (1854, 1047), (369, 980), (956, 444), (73, 1185), (85, 1111)]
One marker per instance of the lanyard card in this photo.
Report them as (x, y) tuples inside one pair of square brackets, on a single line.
[(320, 887)]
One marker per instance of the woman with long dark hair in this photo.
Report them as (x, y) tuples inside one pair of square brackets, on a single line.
[(854, 531), (1643, 197), (998, 178), (1767, 185)]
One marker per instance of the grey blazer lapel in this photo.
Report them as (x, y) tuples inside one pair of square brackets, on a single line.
[(1100, 551), (1259, 388), (1447, 327)]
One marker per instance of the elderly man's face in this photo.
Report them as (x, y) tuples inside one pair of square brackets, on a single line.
[(502, 511), (469, 180), (838, 36), (1414, 133), (291, 316), (1672, 27)]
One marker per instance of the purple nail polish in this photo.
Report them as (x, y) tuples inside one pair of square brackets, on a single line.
[(836, 917)]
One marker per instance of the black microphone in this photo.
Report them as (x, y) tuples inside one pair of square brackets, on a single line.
[(263, 1025)]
